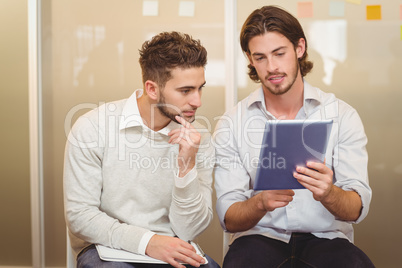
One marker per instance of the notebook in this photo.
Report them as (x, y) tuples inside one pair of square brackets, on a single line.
[(117, 255), (287, 144)]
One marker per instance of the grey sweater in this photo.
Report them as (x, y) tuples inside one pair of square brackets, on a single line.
[(120, 182)]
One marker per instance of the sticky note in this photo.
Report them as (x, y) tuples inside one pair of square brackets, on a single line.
[(400, 12), (186, 8), (401, 32), (357, 2), (305, 9), (337, 9), (150, 8), (374, 12)]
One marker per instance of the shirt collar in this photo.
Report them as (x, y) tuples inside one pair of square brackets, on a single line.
[(311, 98), (130, 116)]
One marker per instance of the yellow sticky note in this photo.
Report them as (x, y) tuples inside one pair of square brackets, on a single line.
[(305, 9), (401, 32), (374, 12), (357, 2)]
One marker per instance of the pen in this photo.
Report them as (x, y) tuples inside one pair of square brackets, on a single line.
[(199, 248)]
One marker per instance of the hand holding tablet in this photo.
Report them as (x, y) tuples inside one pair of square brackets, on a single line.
[(287, 144)]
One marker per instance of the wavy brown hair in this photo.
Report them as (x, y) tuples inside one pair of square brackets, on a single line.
[(169, 50), (273, 19)]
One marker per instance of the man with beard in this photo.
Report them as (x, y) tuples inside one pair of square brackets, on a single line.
[(309, 227), (138, 172)]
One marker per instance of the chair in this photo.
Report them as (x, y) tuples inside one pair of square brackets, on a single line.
[(226, 240), (71, 261)]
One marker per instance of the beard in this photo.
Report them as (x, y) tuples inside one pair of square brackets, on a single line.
[(163, 109), (281, 89)]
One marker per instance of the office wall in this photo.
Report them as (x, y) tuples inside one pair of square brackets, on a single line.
[(15, 225), (357, 59)]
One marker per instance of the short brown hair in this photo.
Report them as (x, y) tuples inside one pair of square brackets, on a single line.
[(169, 50), (273, 19)]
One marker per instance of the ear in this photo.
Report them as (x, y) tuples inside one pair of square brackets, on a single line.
[(152, 89), (301, 48), (250, 59)]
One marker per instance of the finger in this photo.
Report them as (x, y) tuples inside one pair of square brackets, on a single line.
[(192, 258), (284, 192), (281, 204), (191, 137), (315, 165), (189, 246), (182, 121), (309, 187), (306, 179), (176, 131), (307, 171), (178, 135), (176, 263), (176, 138), (189, 250), (188, 257)]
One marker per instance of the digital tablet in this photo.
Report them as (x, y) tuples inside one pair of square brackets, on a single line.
[(287, 144)]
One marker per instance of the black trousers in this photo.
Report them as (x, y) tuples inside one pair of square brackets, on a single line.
[(303, 250)]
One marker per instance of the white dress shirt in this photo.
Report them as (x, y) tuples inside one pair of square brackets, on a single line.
[(237, 139)]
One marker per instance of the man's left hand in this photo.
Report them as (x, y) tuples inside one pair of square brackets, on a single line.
[(316, 177)]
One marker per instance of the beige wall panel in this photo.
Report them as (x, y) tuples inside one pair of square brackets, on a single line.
[(15, 231)]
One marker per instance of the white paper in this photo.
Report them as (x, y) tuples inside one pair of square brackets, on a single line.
[(186, 8), (117, 255), (150, 8)]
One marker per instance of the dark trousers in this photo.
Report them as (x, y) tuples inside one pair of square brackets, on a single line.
[(303, 250), (90, 258)]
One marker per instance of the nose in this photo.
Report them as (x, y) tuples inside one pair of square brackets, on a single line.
[(271, 66), (195, 100)]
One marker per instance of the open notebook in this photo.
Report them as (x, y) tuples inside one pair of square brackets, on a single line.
[(110, 254)]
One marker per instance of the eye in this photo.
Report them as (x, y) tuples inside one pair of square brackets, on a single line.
[(186, 91)]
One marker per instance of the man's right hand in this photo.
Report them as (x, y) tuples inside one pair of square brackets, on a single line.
[(273, 199), (244, 215), (173, 251)]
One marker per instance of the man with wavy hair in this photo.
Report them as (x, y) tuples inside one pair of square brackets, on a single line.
[(309, 227), (138, 171)]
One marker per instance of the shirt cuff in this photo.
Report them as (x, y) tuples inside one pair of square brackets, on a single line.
[(144, 242), (182, 182)]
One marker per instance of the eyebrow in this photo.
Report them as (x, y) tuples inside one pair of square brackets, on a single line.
[(273, 51), (191, 87)]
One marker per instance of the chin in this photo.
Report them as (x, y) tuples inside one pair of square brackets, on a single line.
[(190, 119)]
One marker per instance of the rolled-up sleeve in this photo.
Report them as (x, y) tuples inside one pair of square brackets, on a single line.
[(232, 182), (351, 160)]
